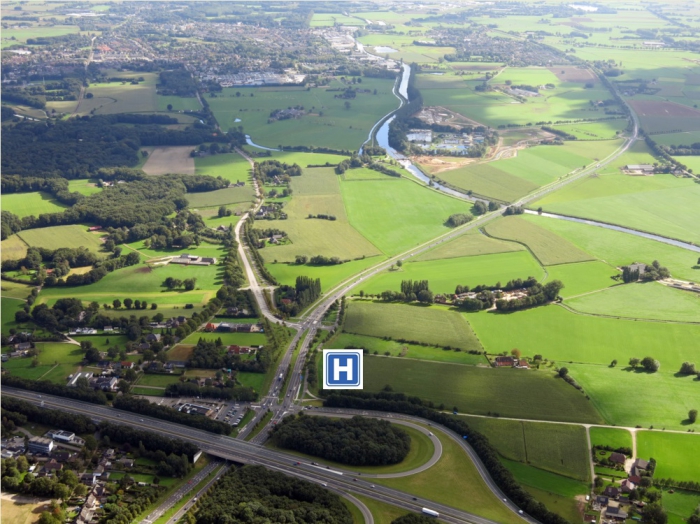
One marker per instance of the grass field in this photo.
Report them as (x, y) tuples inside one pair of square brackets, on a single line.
[(564, 337), (229, 195), (329, 275), (548, 247), (423, 324), (15, 290), (231, 166), (557, 448), (616, 438), (56, 362), (22, 34), (488, 181), (649, 300), (467, 245), (62, 236), (661, 399), (31, 204), (13, 248), (538, 478), (602, 130), (509, 392), (620, 249), (116, 97), (679, 505), (415, 215), (677, 455), (443, 275), (448, 480), (7, 313), (382, 513), (583, 277), (399, 349), (84, 187)]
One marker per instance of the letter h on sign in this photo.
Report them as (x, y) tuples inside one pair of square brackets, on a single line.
[(342, 369)]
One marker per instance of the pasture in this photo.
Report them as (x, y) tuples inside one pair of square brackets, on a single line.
[(488, 181), (229, 195), (231, 166), (548, 247), (415, 215), (616, 438), (15, 290), (409, 322), (677, 455), (477, 390), (31, 204), (10, 306), (84, 187), (679, 504), (55, 362), (325, 123), (118, 97), (661, 204), (62, 236), (330, 275), (661, 399), (22, 34), (444, 275), (173, 159), (600, 130), (620, 249), (473, 243), (557, 448), (565, 337), (650, 300), (13, 248), (582, 277)]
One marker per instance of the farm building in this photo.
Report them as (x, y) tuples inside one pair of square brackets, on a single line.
[(617, 458), (73, 381), (505, 362), (194, 260), (639, 169)]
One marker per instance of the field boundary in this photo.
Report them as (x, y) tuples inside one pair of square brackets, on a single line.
[(544, 268), (602, 315)]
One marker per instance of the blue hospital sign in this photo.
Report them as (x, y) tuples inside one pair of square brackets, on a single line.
[(342, 369)]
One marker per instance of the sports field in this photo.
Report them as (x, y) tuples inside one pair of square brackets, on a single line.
[(444, 275), (470, 244), (677, 455), (616, 438), (62, 236), (31, 204), (549, 248), (508, 392), (410, 322)]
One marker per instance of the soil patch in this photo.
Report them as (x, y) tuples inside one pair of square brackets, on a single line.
[(658, 108), (573, 74), (164, 160)]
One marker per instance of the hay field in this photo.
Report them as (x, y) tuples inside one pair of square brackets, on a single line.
[(173, 159), (62, 236)]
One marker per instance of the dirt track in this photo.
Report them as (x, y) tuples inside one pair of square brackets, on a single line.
[(163, 160)]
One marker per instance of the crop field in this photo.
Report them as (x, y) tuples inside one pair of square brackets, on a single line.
[(563, 336), (560, 449), (549, 248), (478, 390), (231, 166), (661, 116), (229, 195), (489, 181), (649, 300), (684, 137), (26, 204), (600, 130), (62, 236), (444, 275), (174, 159), (330, 275), (13, 248), (84, 187), (583, 277), (414, 216), (404, 350), (620, 249), (22, 34), (677, 455), (661, 399), (326, 123), (661, 204), (415, 323), (473, 243), (616, 438)]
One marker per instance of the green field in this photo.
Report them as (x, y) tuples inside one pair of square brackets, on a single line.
[(620, 249), (563, 336), (584, 277), (443, 275), (229, 195), (330, 275), (56, 362), (679, 505), (489, 181), (649, 300), (677, 455), (548, 247), (115, 97), (470, 244), (231, 166), (616, 438), (22, 34), (415, 215), (556, 448), (508, 392), (62, 236), (15, 290), (31, 204), (601, 130), (9, 307), (382, 513), (13, 248), (84, 187), (410, 322)]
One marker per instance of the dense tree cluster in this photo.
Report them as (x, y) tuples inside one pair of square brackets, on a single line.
[(15, 478), (144, 407), (269, 170), (228, 392), (536, 295), (177, 82), (358, 441), (291, 300), (458, 219), (253, 493), (146, 440), (20, 412), (559, 133), (653, 272), (209, 354), (44, 386), (410, 292), (62, 259)]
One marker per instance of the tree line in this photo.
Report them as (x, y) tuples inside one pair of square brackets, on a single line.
[(209, 354), (191, 389), (144, 407), (291, 300)]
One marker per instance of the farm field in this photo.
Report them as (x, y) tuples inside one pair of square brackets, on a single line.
[(583, 277), (13, 248), (676, 455), (22, 34), (173, 159), (620, 249), (549, 248), (15, 290), (563, 336), (9, 306), (679, 505), (489, 181), (84, 187), (600, 130), (330, 275), (470, 244), (327, 122), (229, 195), (416, 214), (451, 476), (231, 166), (444, 275), (649, 300), (661, 399), (477, 390), (546, 481), (62, 236), (116, 97), (31, 204), (179, 103), (661, 204), (56, 361), (404, 350), (616, 438), (565, 506), (422, 324)]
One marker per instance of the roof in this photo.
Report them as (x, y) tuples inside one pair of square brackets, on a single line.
[(618, 458), (642, 464)]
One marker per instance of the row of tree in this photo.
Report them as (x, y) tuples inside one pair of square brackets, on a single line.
[(291, 300), (144, 407), (535, 296)]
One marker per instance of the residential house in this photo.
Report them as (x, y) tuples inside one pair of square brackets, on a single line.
[(104, 383), (639, 466), (617, 458), (504, 362), (23, 346), (612, 492), (627, 486), (52, 466), (126, 462), (153, 337), (125, 364)]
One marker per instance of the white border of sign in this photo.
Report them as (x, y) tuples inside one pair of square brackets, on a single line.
[(327, 352)]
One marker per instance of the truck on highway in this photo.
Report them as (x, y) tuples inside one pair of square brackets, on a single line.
[(280, 377), (431, 512)]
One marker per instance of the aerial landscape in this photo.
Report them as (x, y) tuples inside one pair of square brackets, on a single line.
[(495, 204)]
